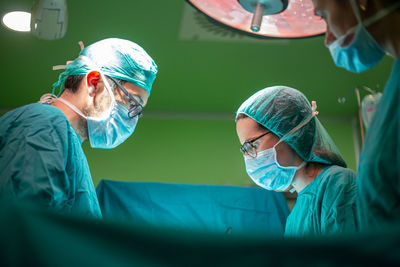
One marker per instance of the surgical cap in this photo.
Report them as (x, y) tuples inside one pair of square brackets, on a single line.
[(280, 109), (117, 58)]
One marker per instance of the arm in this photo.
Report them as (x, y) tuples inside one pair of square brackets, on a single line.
[(339, 210), (36, 163)]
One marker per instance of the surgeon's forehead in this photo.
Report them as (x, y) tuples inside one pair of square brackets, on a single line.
[(247, 128)]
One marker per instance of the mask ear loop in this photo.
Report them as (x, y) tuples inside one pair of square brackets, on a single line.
[(314, 112), (103, 77), (356, 11), (108, 87), (49, 97), (370, 20), (374, 18), (106, 84), (72, 107)]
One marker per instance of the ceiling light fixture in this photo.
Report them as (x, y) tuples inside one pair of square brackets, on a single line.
[(48, 19), (18, 21)]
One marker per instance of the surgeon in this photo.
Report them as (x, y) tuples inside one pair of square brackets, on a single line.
[(41, 156), (359, 34), (285, 147)]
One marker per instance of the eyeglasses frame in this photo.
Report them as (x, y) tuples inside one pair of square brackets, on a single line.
[(250, 142), (137, 104)]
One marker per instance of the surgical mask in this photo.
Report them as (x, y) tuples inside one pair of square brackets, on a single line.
[(265, 170), (112, 128), (363, 52)]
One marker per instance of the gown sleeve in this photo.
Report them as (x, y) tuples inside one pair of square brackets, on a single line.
[(34, 162), (339, 211)]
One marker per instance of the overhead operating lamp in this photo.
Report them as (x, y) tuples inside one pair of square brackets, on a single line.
[(47, 19), (260, 8), (265, 18)]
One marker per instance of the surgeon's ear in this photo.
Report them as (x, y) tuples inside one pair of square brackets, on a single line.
[(92, 80)]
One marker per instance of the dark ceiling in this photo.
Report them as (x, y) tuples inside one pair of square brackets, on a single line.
[(194, 75)]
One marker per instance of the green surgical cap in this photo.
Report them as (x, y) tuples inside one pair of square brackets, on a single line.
[(280, 109), (117, 58)]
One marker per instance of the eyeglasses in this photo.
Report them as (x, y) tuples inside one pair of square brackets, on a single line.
[(135, 109), (250, 148)]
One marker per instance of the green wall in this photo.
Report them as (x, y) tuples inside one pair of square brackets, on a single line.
[(200, 151), (174, 150), (341, 131)]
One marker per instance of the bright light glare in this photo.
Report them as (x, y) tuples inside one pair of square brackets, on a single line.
[(18, 21)]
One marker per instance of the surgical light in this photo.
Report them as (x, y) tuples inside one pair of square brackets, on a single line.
[(265, 18), (17, 21), (259, 8)]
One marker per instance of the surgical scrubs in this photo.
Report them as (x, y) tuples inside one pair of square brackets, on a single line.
[(379, 170), (41, 160), (326, 206)]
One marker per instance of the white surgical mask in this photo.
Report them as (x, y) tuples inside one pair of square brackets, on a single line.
[(266, 172)]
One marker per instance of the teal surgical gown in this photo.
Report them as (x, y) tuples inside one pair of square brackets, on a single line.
[(326, 206), (379, 168), (41, 160)]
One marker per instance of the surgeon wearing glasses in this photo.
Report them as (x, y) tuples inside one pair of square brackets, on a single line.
[(102, 95), (285, 147)]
